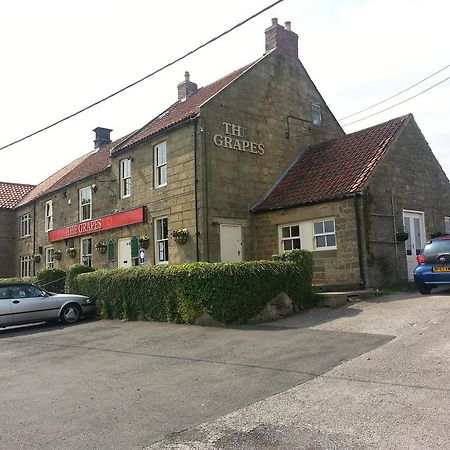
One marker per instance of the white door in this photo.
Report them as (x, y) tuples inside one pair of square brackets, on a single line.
[(230, 242), (415, 227), (124, 253)]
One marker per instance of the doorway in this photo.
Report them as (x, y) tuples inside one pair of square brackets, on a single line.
[(230, 242), (414, 224), (124, 253)]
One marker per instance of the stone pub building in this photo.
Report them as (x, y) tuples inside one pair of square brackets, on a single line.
[(248, 166)]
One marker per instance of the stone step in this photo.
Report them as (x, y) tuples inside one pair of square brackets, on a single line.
[(339, 298)]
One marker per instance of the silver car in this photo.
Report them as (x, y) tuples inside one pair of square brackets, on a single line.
[(25, 303)]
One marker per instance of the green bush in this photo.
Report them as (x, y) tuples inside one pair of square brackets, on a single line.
[(72, 273), (230, 292), (19, 280), (52, 280)]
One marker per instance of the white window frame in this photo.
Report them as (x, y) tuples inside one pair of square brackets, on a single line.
[(85, 257), (125, 177), (161, 240), (49, 258), (25, 266), (80, 197), (324, 234), (25, 225), (282, 240), (160, 164), (316, 114), (49, 215), (447, 225)]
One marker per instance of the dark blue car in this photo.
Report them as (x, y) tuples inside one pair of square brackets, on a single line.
[(433, 265)]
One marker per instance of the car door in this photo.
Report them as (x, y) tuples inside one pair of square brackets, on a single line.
[(30, 304), (5, 307)]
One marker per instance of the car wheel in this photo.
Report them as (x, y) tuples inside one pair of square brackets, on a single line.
[(70, 313), (424, 289)]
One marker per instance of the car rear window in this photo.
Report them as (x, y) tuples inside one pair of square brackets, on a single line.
[(435, 248)]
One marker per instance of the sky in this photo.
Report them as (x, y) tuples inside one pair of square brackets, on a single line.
[(58, 57)]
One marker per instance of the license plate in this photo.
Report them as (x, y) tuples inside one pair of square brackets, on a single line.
[(441, 269)]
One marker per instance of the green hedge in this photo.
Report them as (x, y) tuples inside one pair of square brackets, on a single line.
[(52, 280), (19, 280), (230, 292), (72, 272)]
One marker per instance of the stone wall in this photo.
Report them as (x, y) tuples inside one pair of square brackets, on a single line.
[(339, 266), (8, 231), (411, 176)]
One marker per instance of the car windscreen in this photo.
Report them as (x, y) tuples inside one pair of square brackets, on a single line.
[(435, 249)]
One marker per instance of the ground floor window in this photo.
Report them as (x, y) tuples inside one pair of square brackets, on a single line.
[(290, 237), (25, 266), (49, 261), (161, 241), (86, 251), (447, 225), (324, 234)]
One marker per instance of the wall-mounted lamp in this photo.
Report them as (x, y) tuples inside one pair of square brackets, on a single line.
[(94, 188)]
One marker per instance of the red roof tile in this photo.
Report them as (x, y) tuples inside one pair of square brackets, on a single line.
[(12, 193), (332, 169), (87, 165), (181, 110)]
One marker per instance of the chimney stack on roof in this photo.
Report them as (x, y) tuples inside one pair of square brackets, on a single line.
[(282, 38), (186, 88), (102, 137)]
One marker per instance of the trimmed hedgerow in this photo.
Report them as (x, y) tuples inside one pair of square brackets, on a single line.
[(230, 292), (19, 280), (72, 272), (52, 280)]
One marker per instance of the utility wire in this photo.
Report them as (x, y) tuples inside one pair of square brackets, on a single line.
[(145, 77), (404, 101), (395, 95)]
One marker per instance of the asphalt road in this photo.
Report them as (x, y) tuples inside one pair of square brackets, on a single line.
[(113, 385)]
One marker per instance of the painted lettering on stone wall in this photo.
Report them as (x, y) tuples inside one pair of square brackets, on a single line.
[(233, 138)]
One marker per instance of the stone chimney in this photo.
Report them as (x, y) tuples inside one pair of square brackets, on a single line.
[(102, 136), (282, 38), (186, 88)]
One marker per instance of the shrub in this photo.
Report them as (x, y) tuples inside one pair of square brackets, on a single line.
[(19, 280), (52, 280), (72, 272), (230, 292)]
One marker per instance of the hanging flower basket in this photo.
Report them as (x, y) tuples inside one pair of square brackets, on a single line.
[(401, 236), (36, 257), (101, 247), (71, 252), (144, 241), (180, 235), (57, 254)]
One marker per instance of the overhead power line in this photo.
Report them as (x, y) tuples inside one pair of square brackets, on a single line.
[(145, 77), (400, 103), (397, 94)]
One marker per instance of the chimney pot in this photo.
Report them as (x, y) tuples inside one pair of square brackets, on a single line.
[(102, 137), (281, 38), (187, 87)]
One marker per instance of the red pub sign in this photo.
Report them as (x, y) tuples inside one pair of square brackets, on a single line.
[(100, 224)]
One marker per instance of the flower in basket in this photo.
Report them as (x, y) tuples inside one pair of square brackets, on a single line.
[(57, 254), (144, 241), (101, 247), (180, 235), (36, 257), (71, 251)]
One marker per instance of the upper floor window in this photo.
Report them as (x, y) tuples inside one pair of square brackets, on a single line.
[(49, 215), (85, 203), (161, 241), (324, 234), (290, 237), (49, 261), (160, 159), (125, 177), (316, 114), (25, 225)]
